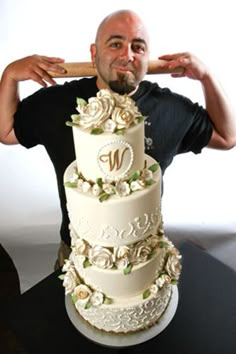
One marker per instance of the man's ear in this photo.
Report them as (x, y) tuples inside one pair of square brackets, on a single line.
[(93, 53)]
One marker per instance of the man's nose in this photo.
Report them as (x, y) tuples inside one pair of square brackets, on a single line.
[(127, 53)]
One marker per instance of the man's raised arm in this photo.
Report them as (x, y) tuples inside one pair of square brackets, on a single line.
[(34, 68)]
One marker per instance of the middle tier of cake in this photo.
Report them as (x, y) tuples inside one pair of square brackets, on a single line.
[(119, 220)]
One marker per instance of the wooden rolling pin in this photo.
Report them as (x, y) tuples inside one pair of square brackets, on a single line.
[(86, 69)]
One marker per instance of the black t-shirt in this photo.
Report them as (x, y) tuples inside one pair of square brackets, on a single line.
[(173, 125)]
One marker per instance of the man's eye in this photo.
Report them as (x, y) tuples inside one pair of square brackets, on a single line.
[(115, 45), (138, 48)]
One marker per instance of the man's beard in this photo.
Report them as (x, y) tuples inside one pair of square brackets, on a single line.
[(123, 84)]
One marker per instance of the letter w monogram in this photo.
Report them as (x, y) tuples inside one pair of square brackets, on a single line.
[(114, 160)]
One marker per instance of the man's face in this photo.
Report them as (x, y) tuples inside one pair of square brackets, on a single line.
[(121, 54)]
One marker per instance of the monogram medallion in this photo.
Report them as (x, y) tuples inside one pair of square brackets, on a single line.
[(115, 159)]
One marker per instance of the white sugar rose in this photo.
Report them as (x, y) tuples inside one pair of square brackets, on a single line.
[(140, 252), (70, 281), (123, 117), (173, 266), (79, 260), (96, 298), (82, 294), (73, 236), (68, 265), (153, 241), (122, 257), (124, 101), (97, 111), (81, 247), (101, 257)]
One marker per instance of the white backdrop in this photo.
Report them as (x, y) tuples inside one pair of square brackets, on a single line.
[(198, 189)]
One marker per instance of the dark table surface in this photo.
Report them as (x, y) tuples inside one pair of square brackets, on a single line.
[(204, 323)]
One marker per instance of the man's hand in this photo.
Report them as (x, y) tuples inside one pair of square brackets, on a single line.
[(193, 67), (34, 68)]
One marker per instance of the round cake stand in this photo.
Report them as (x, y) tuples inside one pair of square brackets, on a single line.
[(122, 340)]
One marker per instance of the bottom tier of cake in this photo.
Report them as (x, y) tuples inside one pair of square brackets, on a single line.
[(127, 316)]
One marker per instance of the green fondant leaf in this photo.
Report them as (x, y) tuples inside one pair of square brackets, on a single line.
[(162, 244), (107, 301), (88, 305), (61, 276), (134, 176), (120, 131), (75, 118), (70, 184), (103, 196), (127, 270), (70, 124), (154, 167), (86, 263), (149, 182), (73, 298), (96, 131), (81, 102), (139, 119), (146, 294), (99, 182)]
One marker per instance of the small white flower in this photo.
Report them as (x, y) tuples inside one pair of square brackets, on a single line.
[(160, 281), (108, 188), (109, 126), (122, 188), (147, 174), (96, 190), (97, 298), (80, 184), (136, 185), (86, 186), (153, 289), (74, 177), (163, 279)]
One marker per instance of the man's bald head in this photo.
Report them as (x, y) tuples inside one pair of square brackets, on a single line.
[(127, 17)]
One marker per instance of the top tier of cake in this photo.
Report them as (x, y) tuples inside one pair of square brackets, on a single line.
[(117, 150)]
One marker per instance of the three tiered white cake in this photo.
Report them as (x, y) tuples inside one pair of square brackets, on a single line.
[(122, 267)]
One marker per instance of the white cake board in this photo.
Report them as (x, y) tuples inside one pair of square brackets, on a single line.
[(122, 340)]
